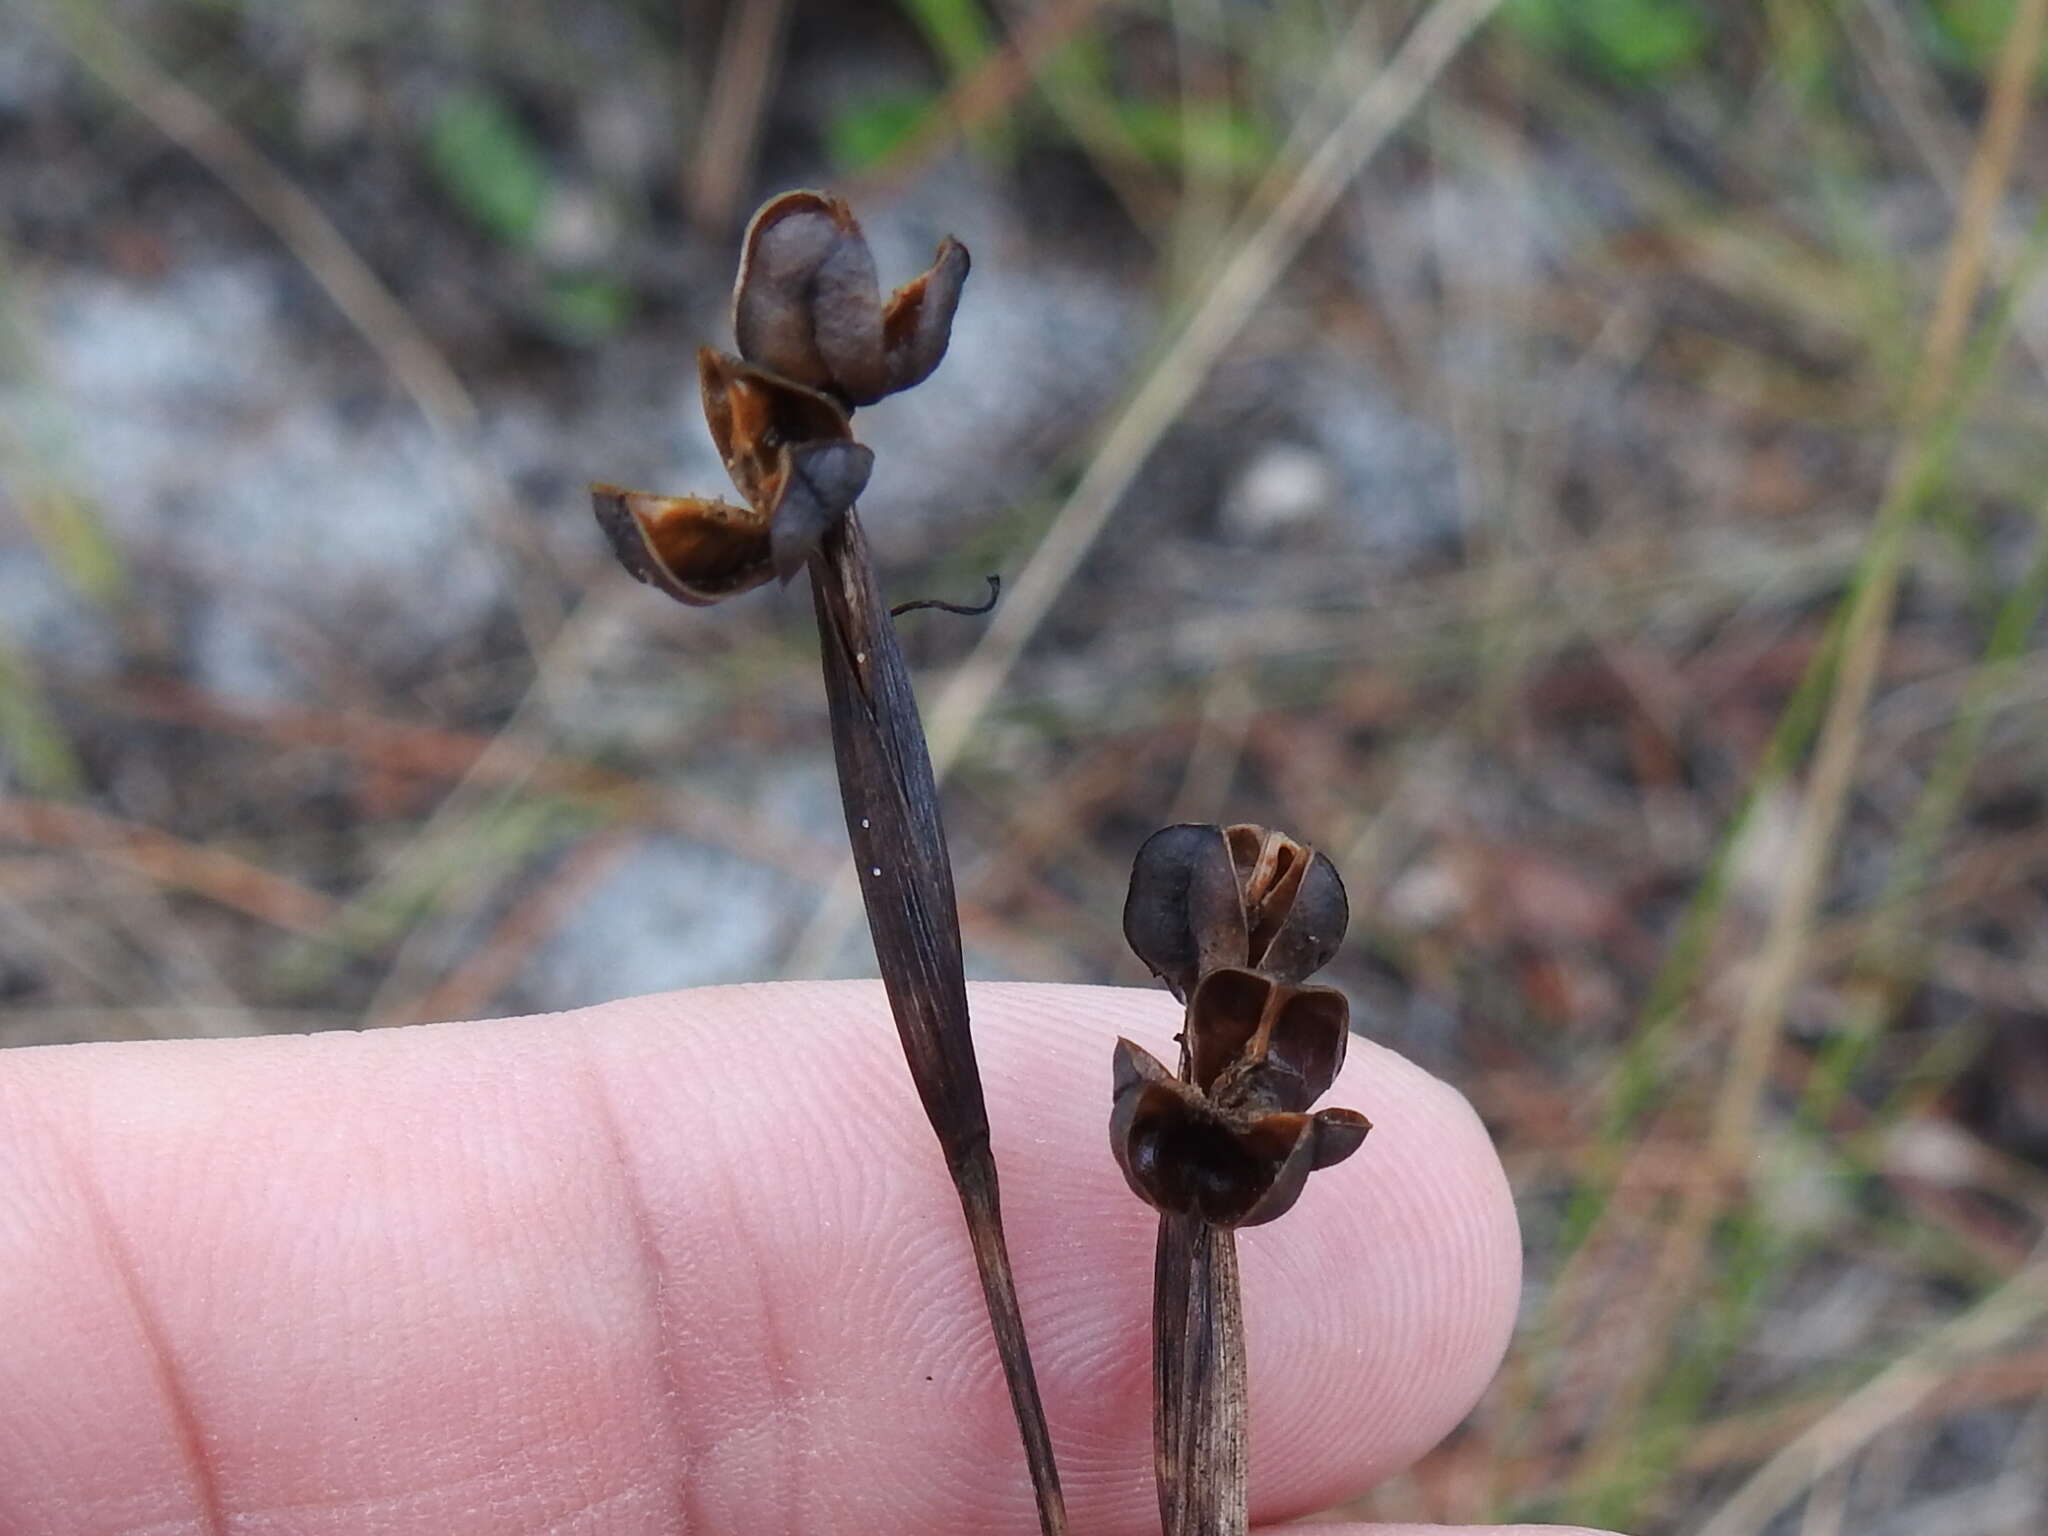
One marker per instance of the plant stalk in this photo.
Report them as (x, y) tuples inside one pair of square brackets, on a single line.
[(906, 882), (1200, 1442)]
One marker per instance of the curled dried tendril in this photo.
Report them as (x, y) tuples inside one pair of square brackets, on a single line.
[(1234, 920), (815, 340)]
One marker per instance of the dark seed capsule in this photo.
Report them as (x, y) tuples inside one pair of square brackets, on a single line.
[(792, 456), (1183, 915), (809, 308), (1233, 919), (1188, 1155), (696, 549), (1295, 908), (1205, 897), (1254, 1040)]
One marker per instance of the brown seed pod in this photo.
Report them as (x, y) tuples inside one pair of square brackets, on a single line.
[(789, 450), (1233, 919), (1203, 897), (697, 550), (1294, 902), (815, 340), (1258, 1044), (792, 456), (808, 306), (1187, 1154)]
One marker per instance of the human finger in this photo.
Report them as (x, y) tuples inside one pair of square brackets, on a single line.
[(686, 1262)]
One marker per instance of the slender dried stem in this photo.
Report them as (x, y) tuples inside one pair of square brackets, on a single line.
[(906, 880), (749, 51), (1199, 1437)]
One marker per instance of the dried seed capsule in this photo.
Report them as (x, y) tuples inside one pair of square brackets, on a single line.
[(791, 455), (808, 307), (917, 323), (697, 550), (1184, 1153), (1295, 909), (789, 450), (1204, 897), (1183, 915), (815, 339), (1254, 1042), (1233, 919)]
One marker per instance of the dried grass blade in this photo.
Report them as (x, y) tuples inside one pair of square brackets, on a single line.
[(906, 881), (1199, 1436)]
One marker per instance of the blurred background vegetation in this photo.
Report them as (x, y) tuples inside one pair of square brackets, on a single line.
[(1579, 462)]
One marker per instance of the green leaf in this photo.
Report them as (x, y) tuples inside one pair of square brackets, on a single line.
[(1544, 24), (587, 308), (1636, 41), (486, 161), (1216, 136), (867, 131), (957, 30), (1082, 64), (1971, 32), (32, 742), (74, 536)]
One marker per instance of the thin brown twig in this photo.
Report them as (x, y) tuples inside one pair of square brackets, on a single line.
[(1258, 257), (1755, 1436), (1893, 1395), (169, 861), (1883, 35), (906, 880), (1454, 1470), (748, 52), (435, 752), (1202, 1439)]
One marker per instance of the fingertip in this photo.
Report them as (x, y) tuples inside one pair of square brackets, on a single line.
[(1377, 1310), (1383, 1304), (1396, 1294)]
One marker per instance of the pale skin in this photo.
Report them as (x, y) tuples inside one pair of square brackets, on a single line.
[(677, 1264)]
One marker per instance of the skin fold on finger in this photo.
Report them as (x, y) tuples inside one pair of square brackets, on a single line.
[(680, 1263)]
